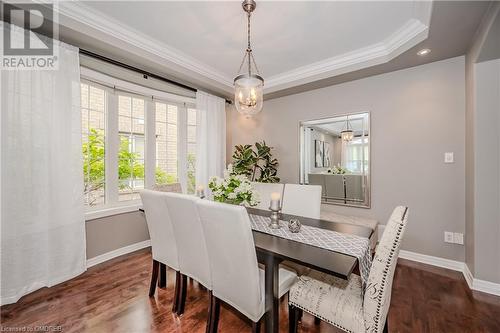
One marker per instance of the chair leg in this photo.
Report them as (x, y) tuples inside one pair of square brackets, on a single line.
[(256, 327), (213, 317), (317, 321), (162, 281), (293, 318), (177, 290), (154, 278), (182, 294), (300, 313)]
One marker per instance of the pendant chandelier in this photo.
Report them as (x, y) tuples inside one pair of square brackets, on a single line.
[(347, 133), (248, 86)]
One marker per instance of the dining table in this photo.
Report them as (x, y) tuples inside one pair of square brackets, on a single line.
[(272, 250)]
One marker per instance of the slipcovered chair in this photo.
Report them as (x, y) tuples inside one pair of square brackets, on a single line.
[(236, 277), (191, 246), (163, 242), (342, 303), (302, 200), (265, 190)]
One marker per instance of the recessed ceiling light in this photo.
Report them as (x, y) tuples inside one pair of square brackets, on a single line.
[(424, 52)]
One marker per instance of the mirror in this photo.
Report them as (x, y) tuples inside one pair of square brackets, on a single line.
[(335, 153)]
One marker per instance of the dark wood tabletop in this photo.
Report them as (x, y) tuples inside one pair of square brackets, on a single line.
[(272, 250), (327, 261)]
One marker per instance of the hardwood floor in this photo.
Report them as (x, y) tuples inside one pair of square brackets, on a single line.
[(113, 297)]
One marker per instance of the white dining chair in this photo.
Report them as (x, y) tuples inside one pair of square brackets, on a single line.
[(236, 277), (341, 302), (302, 200), (191, 247), (265, 190), (163, 242)]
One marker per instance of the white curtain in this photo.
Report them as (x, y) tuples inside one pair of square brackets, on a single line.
[(210, 137), (42, 214)]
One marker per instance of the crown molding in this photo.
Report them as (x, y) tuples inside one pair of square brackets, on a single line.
[(81, 13), (413, 32)]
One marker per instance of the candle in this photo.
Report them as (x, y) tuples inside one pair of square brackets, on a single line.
[(275, 201), (200, 191)]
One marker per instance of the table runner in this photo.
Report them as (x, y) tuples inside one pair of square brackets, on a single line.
[(352, 245)]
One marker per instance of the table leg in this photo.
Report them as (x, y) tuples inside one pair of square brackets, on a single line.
[(272, 294)]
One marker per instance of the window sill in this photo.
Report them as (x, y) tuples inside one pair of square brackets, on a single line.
[(110, 211)]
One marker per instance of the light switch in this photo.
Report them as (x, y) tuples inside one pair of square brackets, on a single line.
[(448, 157), (458, 238)]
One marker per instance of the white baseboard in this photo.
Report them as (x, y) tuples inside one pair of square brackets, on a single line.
[(473, 283), (486, 287), (468, 276), (431, 260), (118, 252)]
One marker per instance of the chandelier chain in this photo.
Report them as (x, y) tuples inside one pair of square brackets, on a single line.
[(249, 48)]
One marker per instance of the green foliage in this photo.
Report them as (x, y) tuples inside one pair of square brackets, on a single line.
[(163, 178), (259, 165), (129, 165), (244, 160), (191, 176)]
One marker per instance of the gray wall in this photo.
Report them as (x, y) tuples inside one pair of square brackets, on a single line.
[(417, 115), (482, 150), (113, 232), (487, 168)]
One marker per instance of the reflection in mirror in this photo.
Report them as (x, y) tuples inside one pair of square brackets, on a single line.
[(335, 153)]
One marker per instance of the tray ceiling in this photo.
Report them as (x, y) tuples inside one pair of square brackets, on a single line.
[(294, 42)]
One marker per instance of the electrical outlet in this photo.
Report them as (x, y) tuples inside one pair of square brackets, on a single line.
[(448, 157), (448, 237), (458, 238)]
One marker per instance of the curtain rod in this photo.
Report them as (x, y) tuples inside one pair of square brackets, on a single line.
[(145, 74)]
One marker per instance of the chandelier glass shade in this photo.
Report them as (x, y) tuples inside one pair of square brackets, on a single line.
[(347, 134), (249, 85)]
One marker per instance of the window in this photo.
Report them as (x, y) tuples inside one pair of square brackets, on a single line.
[(191, 150), (132, 141), (166, 171), (131, 151), (93, 109), (356, 155)]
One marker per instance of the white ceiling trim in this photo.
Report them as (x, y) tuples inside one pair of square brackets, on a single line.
[(105, 24), (413, 32)]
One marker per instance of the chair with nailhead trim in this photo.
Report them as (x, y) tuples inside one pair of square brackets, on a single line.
[(341, 302)]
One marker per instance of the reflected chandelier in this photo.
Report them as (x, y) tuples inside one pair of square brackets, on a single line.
[(248, 86)]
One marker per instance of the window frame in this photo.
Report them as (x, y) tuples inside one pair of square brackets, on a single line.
[(113, 88)]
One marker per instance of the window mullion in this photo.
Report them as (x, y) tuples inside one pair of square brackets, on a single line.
[(150, 148), (113, 143), (182, 146)]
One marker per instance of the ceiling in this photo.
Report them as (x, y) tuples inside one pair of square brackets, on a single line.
[(308, 44), (334, 126)]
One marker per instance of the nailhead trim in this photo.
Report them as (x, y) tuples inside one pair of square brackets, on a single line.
[(386, 271), (321, 317)]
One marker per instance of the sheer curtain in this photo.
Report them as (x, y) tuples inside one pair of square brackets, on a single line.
[(210, 137), (42, 214)]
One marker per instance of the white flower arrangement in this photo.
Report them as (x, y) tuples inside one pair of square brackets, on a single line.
[(338, 170), (233, 189)]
